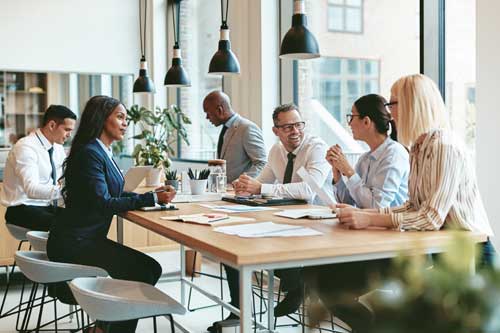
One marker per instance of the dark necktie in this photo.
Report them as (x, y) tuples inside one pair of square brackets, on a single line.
[(53, 174), (289, 169), (221, 140)]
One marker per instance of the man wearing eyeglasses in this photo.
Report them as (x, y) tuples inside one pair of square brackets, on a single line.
[(240, 141), (294, 150)]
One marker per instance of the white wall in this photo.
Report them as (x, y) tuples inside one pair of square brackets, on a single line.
[(488, 114), (91, 36)]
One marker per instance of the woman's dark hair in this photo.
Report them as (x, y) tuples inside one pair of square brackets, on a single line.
[(95, 113), (373, 107)]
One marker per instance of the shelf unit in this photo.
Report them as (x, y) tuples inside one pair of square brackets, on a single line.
[(23, 101)]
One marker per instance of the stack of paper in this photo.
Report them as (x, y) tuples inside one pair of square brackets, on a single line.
[(267, 229), (236, 208), (318, 213), (208, 219)]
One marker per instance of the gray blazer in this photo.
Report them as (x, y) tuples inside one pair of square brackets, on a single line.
[(243, 149)]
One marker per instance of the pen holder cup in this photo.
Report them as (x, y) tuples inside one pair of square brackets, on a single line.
[(198, 186)]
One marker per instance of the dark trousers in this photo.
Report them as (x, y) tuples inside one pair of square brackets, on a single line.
[(119, 261), (38, 218), (290, 279)]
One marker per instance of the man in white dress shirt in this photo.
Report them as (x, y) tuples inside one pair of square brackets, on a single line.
[(279, 178), (30, 186)]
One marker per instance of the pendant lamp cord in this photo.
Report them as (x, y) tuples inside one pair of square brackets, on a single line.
[(142, 30), (224, 19), (176, 25)]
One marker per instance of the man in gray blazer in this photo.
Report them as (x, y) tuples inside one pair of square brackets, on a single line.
[(240, 141)]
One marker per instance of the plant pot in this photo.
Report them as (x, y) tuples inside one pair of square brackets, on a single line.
[(153, 177), (173, 182), (198, 186)]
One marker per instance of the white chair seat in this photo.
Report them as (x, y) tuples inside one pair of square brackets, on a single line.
[(17, 232), (37, 267), (116, 300), (38, 240)]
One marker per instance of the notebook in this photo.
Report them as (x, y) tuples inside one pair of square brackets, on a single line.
[(214, 219), (251, 201)]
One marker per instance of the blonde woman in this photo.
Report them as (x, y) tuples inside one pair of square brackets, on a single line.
[(443, 192)]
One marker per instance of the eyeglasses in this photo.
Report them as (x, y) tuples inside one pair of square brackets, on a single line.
[(289, 127), (390, 104), (350, 116)]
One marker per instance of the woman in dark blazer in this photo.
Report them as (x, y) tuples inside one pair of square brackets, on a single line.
[(93, 193)]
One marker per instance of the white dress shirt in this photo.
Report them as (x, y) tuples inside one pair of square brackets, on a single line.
[(27, 175), (310, 155)]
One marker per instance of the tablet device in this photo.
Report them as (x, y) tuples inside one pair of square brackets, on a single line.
[(134, 177)]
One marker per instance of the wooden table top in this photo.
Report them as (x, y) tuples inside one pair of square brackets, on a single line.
[(335, 241)]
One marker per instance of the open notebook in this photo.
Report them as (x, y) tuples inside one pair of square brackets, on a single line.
[(214, 219)]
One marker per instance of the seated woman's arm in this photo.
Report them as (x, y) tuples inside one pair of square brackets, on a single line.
[(92, 176)]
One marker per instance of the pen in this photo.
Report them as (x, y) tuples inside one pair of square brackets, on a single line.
[(222, 218)]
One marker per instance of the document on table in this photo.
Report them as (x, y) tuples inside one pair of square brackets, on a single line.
[(319, 213), (209, 219), (326, 197), (197, 197), (236, 208), (267, 229)]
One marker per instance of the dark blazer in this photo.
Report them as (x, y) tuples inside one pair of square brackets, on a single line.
[(94, 193)]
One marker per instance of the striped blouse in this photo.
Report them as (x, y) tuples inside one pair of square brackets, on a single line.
[(442, 188)]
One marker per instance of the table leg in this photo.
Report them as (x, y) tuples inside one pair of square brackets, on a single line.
[(119, 229), (183, 274), (270, 300), (245, 300)]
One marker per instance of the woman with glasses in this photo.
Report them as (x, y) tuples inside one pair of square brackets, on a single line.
[(380, 177), (443, 192)]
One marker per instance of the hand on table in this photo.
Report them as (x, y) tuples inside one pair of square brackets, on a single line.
[(246, 185), (165, 194)]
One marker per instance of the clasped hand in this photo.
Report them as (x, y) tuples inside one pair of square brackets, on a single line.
[(339, 162), (351, 217), (246, 185), (165, 194)]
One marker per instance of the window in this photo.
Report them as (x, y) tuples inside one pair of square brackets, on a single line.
[(199, 37), (353, 65), (345, 15), (460, 72), (342, 81)]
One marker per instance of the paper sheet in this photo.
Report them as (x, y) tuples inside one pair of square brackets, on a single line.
[(267, 229), (197, 197), (201, 219), (326, 197), (319, 213), (236, 208)]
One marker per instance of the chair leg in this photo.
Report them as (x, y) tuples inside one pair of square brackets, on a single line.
[(29, 307), (221, 280), (40, 313), (154, 325), (55, 314), (172, 326), (7, 286)]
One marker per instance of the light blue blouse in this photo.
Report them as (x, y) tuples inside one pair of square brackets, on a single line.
[(381, 178)]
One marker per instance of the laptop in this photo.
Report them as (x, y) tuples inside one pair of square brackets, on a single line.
[(134, 177)]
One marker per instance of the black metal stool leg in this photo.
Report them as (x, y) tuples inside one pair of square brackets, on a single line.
[(154, 325), (172, 325), (40, 313)]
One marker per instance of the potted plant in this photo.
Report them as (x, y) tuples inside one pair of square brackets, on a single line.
[(198, 180), (171, 178), (159, 131)]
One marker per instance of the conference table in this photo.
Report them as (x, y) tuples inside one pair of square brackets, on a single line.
[(335, 245)]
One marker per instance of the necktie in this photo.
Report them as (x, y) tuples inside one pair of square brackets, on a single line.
[(221, 140), (289, 169), (53, 174)]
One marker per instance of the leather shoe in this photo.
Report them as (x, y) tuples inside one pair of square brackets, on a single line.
[(212, 329), (289, 304)]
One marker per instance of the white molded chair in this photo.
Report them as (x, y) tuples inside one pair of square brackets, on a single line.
[(38, 240), (111, 300), (38, 268)]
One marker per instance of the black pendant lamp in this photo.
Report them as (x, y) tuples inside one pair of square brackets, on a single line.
[(176, 75), (299, 42), (143, 84), (224, 60)]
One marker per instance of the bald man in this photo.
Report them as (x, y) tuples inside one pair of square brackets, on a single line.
[(240, 140)]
